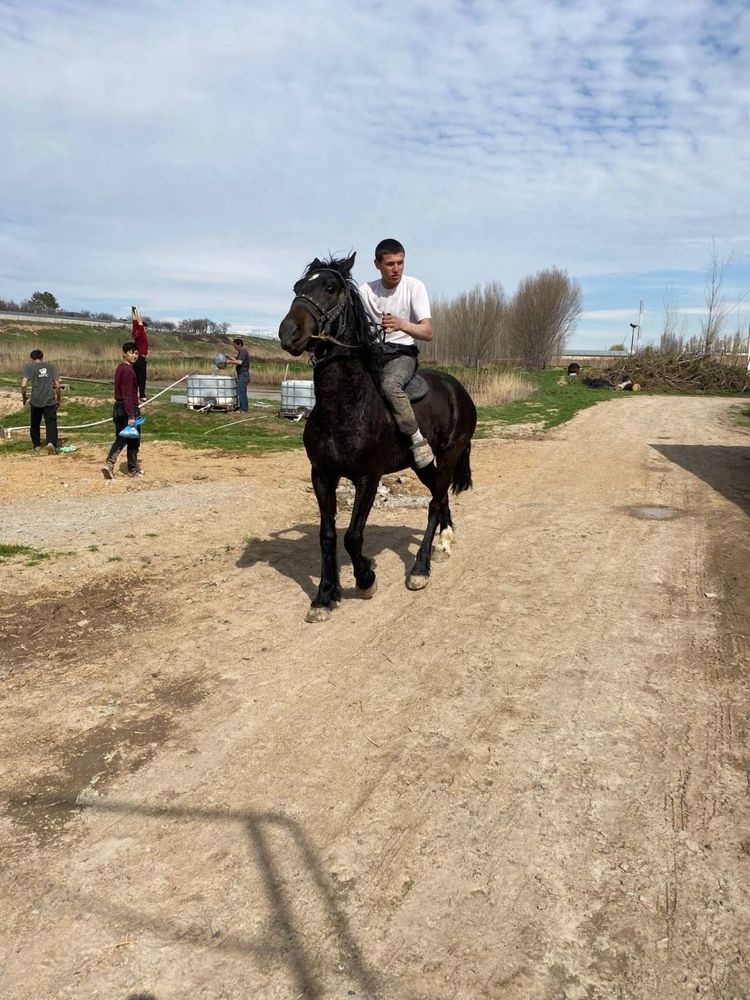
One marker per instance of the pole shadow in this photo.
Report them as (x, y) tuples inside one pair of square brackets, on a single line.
[(277, 842), (294, 552), (726, 468)]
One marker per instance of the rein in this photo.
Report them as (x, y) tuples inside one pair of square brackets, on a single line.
[(326, 319)]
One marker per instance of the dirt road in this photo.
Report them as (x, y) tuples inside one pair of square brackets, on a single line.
[(530, 780)]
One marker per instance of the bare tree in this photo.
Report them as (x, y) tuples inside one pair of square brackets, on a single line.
[(716, 307), (469, 329), (542, 315), (672, 337)]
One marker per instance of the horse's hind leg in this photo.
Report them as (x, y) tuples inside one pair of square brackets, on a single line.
[(366, 488), (329, 591), (445, 537), (420, 571), (436, 481)]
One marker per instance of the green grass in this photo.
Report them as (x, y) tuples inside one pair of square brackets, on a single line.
[(8, 551), (34, 556), (258, 431), (101, 340), (262, 431), (552, 404)]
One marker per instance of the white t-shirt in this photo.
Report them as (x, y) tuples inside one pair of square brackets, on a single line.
[(408, 300)]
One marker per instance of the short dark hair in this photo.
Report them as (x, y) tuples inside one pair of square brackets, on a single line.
[(129, 345), (36, 355), (388, 246), (239, 340)]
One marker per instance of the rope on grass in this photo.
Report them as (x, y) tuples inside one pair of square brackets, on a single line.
[(8, 431)]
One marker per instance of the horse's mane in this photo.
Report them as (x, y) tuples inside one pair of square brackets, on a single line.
[(364, 330)]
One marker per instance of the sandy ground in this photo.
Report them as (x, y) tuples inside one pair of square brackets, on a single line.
[(530, 780)]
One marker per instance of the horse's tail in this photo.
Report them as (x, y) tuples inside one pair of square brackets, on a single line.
[(462, 472)]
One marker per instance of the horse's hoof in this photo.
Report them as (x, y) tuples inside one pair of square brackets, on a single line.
[(442, 547), (318, 615), (367, 592), (415, 582)]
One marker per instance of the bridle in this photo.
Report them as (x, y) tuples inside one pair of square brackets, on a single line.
[(323, 317)]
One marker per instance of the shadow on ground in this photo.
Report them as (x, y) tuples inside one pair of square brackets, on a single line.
[(725, 468), (295, 551), (285, 859)]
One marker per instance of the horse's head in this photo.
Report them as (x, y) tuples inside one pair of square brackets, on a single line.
[(320, 297)]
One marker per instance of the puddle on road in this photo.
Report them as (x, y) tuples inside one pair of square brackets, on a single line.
[(654, 513)]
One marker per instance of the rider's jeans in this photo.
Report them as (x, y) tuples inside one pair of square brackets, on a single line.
[(396, 374)]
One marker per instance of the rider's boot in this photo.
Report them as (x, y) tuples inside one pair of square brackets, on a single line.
[(420, 448)]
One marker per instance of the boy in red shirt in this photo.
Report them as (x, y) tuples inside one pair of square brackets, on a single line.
[(124, 413), (140, 339)]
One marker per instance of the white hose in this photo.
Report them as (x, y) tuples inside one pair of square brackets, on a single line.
[(233, 423), (95, 423)]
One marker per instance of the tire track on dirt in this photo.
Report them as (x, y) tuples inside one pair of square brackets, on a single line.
[(501, 782)]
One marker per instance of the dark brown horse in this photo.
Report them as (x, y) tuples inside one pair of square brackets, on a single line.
[(351, 432)]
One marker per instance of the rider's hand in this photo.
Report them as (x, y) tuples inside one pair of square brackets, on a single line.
[(392, 323)]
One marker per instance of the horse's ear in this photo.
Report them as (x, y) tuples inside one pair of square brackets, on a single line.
[(315, 265), (348, 264)]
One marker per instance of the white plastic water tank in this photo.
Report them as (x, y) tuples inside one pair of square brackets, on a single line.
[(218, 390), (297, 396)]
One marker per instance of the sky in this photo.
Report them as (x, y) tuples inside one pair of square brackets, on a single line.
[(191, 158)]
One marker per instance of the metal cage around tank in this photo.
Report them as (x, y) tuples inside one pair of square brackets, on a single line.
[(216, 392), (297, 396)]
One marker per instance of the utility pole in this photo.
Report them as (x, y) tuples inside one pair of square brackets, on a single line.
[(748, 347), (640, 327)]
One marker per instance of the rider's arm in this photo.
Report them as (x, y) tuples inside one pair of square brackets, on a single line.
[(423, 330)]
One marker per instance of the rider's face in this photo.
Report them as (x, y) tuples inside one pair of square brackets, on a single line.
[(391, 267)]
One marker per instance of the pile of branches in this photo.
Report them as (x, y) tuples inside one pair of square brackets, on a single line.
[(663, 372)]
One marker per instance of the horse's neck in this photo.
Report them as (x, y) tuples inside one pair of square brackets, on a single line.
[(342, 383)]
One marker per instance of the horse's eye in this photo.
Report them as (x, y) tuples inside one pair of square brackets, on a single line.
[(331, 289)]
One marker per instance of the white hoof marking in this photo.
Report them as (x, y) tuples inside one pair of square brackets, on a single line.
[(318, 615), (417, 582), (445, 540)]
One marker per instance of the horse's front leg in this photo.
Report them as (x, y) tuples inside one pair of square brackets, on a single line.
[(365, 489), (329, 591)]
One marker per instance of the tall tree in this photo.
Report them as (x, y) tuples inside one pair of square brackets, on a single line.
[(42, 302), (542, 315), (469, 328), (716, 307)]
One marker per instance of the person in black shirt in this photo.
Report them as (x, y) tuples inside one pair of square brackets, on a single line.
[(45, 400), (241, 361)]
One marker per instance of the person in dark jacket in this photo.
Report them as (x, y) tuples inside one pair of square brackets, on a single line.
[(140, 339), (125, 413)]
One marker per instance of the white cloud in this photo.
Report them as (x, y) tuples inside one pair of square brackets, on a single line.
[(198, 155)]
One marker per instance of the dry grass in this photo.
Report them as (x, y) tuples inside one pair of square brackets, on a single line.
[(95, 360), (489, 387)]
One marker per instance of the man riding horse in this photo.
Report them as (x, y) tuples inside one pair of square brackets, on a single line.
[(399, 303)]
